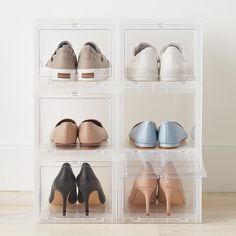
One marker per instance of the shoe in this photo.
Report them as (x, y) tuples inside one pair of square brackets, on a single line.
[(92, 133), (145, 188), (144, 64), (171, 134), (172, 63), (193, 133), (63, 63), (144, 134), (65, 133), (63, 189), (89, 188), (92, 64), (171, 189)]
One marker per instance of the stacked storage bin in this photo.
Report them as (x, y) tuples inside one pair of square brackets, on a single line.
[(119, 102)]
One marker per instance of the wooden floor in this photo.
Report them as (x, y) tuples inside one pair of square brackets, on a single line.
[(219, 218)]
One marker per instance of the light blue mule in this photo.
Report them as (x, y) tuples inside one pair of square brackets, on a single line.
[(144, 134), (171, 134)]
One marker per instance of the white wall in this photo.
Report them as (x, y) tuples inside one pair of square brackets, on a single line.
[(16, 67)]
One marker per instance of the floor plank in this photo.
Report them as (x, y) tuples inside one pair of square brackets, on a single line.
[(16, 218)]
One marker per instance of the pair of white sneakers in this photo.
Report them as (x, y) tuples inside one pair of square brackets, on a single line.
[(147, 65)]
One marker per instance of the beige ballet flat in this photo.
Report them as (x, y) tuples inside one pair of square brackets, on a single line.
[(65, 133), (171, 189), (144, 188), (92, 133)]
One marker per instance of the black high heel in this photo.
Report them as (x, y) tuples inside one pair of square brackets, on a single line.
[(87, 183), (65, 184)]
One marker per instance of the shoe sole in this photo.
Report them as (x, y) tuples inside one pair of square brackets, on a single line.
[(142, 78), (62, 74), (93, 74), (171, 145), (173, 78), (145, 145), (66, 145)]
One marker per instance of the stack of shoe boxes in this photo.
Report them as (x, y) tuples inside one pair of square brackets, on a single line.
[(118, 144)]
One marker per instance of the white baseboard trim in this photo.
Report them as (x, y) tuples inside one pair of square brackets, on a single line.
[(220, 164)]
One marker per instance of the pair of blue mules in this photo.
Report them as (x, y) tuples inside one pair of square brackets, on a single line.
[(169, 135)]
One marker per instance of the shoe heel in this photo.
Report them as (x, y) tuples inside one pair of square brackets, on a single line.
[(64, 205), (168, 195), (86, 202), (87, 206), (65, 196), (86, 196), (148, 193), (83, 197)]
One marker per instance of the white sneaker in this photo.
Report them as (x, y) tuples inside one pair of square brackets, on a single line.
[(172, 63), (144, 65)]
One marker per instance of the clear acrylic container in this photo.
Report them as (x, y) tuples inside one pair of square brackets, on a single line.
[(49, 34), (160, 107), (54, 108), (75, 213), (185, 201), (118, 103), (159, 35)]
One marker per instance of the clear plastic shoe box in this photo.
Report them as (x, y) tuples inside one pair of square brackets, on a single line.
[(119, 103), (75, 213), (187, 169)]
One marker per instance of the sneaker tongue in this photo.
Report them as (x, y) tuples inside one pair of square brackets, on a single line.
[(140, 47), (94, 46)]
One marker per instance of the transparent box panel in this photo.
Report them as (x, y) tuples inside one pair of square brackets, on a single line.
[(52, 110), (160, 107), (50, 37), (180, 174), (98, 212), (159, 37)]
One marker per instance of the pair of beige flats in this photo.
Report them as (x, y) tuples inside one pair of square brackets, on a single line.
[(89, 133)]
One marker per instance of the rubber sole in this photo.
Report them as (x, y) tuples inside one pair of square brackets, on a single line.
[(145, 145), (173, 78), (142, 78), (169, 145), (66, 145), (62, 74), (93, 74)]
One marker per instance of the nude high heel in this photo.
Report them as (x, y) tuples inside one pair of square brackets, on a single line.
[(144, 188), (171, 189)]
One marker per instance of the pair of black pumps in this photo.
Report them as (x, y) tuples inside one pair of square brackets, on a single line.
[(66, 185)]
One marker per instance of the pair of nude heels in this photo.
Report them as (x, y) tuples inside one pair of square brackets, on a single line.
[(148, 187), (90, 133)]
